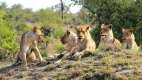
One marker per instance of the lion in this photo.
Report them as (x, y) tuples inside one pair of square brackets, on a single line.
[(29, 41), (107, 41), (77, 44), (31, 57), (85, 41), (129, 39), (70, 40)]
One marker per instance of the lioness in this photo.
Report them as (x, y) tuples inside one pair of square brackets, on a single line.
[(77, 44), (108, 42), (85, 41), (70, 40), (30, 41), (129, 39)]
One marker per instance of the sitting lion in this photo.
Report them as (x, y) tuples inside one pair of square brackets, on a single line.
[(129, 39), (85, 41), (108, 42)]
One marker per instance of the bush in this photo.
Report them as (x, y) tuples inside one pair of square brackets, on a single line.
[(8, 43)]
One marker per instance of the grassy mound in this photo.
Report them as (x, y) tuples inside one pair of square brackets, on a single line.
[(122, 65)]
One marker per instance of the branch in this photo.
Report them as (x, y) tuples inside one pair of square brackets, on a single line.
[(62, 9)]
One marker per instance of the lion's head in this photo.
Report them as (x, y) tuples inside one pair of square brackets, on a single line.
[(68, 37), (106, 31), (39, 34), (127, 35), (83, 31)]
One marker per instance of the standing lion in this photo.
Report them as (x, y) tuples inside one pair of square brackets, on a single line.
[(29, 41)]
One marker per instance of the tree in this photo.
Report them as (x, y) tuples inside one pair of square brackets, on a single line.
[(8, 43), (120, 13)]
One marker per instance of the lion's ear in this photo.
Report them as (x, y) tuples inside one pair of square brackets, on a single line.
[(88, 27), (68, 32), (102, 26), (42, 28), (131, 30), (34, 29), (123, 30), (76, 28), (110, 26), (93, 26)]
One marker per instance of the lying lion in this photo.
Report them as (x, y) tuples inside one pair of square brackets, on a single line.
[(70, 41), (77, 44)]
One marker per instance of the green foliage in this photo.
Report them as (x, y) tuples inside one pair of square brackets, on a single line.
[(43, 18), (120, 13), (7, 34), (59, 48), (15, 21), (7, 37)]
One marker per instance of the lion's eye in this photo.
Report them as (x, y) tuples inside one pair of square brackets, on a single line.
[(103, 30), (83, 31), (127, 34)]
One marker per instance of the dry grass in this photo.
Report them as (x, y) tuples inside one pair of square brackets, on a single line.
[(123, 65)]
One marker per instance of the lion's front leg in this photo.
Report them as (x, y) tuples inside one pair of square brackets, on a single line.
[(38, 54)]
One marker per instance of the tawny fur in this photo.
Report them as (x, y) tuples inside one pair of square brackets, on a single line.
[(129, 40), (29, 41), (70, 41), (77, 44), (85, 41), (31, 57), (107, 41)]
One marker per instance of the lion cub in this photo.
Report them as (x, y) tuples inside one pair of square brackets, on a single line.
[(129, 39), (108, 42)]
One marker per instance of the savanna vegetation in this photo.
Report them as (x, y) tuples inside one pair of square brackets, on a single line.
[(16, 20), (123, 65), (120, 13)]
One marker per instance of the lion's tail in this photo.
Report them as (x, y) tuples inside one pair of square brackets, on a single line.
[(17, 62)]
